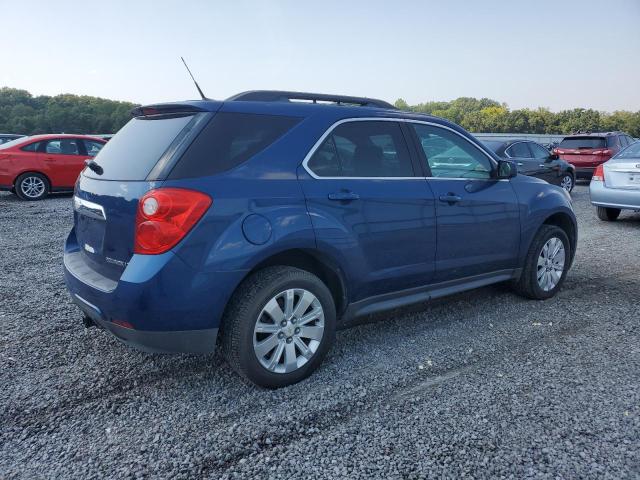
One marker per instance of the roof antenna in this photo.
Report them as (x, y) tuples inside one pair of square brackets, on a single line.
[(194, 80)]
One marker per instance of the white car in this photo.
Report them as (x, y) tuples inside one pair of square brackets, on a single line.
[(615, 185)]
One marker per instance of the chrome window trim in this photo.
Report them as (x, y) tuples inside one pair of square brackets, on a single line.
[(389, 119), (92, 209)]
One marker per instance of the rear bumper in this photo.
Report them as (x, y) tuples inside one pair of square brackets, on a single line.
[(601, 196), (159, 303), (185, 341)]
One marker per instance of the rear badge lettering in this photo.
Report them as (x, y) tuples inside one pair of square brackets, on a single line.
[(120, 263)]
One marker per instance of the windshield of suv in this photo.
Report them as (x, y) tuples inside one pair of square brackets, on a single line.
[(632, 151), (583, 142)]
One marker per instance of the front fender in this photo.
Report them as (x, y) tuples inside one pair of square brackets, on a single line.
[(538, 202)]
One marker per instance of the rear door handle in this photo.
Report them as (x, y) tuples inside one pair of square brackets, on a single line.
[(450, 198), (344, 196)]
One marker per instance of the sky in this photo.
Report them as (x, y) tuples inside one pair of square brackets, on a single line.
[(556, 54)]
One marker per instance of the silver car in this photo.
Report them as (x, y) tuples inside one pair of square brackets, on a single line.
[(615, 185)]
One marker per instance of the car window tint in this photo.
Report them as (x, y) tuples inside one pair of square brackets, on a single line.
[(63, 146), (612, 141), (363, 149), (539, 152), (32, 147), (519, 150), (93, 147), (450, 155), (229, 140), (582, 142)]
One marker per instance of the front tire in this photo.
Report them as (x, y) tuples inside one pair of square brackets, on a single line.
[(608, 214), (567, 182), (32, 186), (279, 326), (546, 264)]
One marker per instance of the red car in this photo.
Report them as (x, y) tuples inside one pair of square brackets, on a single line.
[(31, 167), (588, 150)]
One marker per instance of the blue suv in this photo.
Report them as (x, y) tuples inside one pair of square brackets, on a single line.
[(265, 222)]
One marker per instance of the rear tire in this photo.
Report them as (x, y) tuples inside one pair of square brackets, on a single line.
[(264, 340), (608, 214), (32, 186), (541, 277)]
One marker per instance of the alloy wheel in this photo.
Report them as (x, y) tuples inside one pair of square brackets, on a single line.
[(567, 183), (32, 187), (551, 264), (288, 330)]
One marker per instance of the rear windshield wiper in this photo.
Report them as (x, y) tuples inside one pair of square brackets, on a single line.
[(94, 166)]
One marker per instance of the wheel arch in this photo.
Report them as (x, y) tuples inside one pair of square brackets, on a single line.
[(313, 262), (32, 171), (566, 223)]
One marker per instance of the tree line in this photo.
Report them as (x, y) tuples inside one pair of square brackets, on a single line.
[(486, 115), (21, 112)]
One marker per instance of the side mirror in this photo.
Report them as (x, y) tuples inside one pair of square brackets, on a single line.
[(507, 169), (554, 156)]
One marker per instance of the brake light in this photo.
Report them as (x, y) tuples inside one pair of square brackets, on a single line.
[(598, 175), (165, 216)]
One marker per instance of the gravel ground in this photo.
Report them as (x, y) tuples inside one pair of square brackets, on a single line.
[(482, 384)]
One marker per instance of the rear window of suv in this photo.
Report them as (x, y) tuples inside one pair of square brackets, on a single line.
[(139, 145), (583, 142), (229, 140)]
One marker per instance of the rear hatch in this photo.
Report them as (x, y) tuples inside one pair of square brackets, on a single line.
[(133, 162), (586, 151), (623, 170)]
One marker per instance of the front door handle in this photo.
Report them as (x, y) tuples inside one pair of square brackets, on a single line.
[(450, 198), (344, 196)]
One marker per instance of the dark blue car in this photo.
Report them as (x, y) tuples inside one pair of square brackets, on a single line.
[(267, 221)]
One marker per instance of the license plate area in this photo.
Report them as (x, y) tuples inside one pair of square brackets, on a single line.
[(90, 226)]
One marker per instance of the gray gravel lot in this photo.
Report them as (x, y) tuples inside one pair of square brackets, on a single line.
[(482, 384)]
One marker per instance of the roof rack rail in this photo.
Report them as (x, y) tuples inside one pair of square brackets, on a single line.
[(284, 96)]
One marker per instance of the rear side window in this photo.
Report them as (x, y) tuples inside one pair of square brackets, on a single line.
[(519, 150), (138, 146), (363, 149), (62, 146), (583, 142), (229, 140), (612, 141), (93, 147)]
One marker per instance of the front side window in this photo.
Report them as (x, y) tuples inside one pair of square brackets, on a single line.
[(32, 147), (539, 152), (519, 150), (450, 155), (63, 146), (363, 149)]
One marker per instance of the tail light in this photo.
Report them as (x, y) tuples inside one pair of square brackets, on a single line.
[(598, 175), (165, 216)]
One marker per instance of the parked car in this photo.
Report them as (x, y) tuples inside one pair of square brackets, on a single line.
[(615, 185), (8, 137), (535, 160), (32, 167), (269, 223), (588, 150)]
